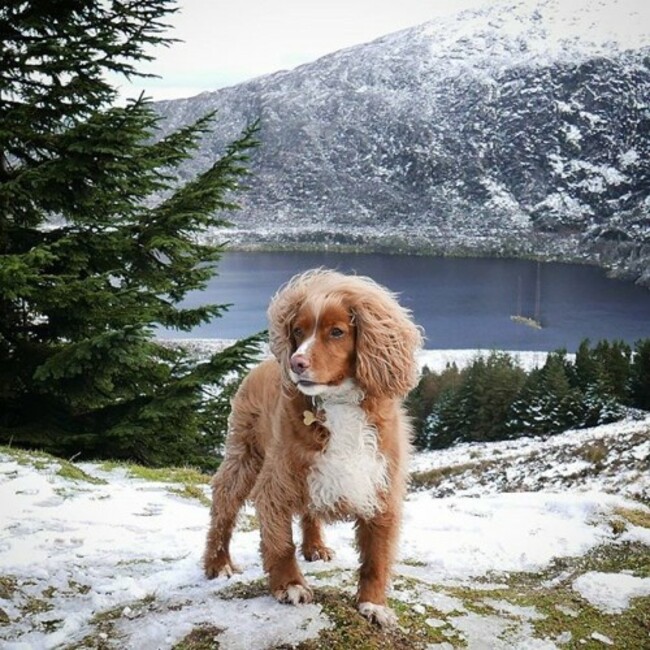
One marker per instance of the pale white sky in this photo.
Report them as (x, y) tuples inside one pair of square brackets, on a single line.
[(226, 42)]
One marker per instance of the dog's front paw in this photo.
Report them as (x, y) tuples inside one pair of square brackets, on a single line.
[(315, 553), (220, 567), (294, 594), (380, 614)]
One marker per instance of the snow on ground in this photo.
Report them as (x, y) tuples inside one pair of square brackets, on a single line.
[(115, 562), (615, 457), (611, 592), (106, 546)]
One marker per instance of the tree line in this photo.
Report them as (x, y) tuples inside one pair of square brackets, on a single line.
[(495, 398)]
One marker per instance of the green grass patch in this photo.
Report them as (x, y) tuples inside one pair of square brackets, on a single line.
[(8, 586), (616, 558), (41, 461), (78, 588), (37, 459), (413, 562), (434, 477), (327, 574), (191, 491), (186, 475), (105, 633), (351, 630), (593, 452), (72, 472), (245, 590), (635, 516), (35, 606), (202, 637)]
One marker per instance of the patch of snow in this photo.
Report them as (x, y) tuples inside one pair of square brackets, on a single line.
[(518, 611), (548, 463), (597, 636), (628, 158), (611, 592), (470, 538)]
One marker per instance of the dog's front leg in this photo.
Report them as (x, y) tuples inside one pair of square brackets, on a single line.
[(286, 581), (377, 540)]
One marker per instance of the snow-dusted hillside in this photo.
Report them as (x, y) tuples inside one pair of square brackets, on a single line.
[(521, 128), (104, 556)]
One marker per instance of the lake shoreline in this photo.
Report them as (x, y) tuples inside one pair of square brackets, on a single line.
[(489, 249)]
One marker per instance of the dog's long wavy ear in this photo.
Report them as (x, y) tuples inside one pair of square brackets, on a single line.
[(281, 314), (387, 341)]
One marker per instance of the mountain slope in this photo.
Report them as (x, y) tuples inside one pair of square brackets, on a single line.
[(522, 128)]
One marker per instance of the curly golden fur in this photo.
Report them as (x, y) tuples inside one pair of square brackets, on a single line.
[(319, 431)]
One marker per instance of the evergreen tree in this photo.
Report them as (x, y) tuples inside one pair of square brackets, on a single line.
[(640, 375), (614, 361), (441, 426), (557, 393), (505, 380), (92, 260), (467, 401), (418, 406), (587, 371), (547, 403), (422, 399), (476, 409), (491, 386), (598, 407), (527, 415)]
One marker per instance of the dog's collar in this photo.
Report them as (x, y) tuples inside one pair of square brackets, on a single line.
[(316, 414)]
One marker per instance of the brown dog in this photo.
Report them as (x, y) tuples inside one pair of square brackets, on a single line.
[(319, 431)]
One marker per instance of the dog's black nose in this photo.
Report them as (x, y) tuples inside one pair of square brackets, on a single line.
[(299, 363)]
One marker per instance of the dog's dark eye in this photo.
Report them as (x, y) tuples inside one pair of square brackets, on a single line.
[(297, 332), (336, 333)]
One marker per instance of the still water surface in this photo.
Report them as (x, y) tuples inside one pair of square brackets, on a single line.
[(460, 303)]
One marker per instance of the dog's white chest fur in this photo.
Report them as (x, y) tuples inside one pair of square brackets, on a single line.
[(351, 472)]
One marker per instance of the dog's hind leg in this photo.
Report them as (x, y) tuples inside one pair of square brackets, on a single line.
[(313, 546), (231, 485)]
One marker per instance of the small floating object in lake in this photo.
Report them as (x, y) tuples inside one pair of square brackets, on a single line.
[(525, 320)]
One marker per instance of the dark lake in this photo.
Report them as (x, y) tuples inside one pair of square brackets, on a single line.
[(460, 303)]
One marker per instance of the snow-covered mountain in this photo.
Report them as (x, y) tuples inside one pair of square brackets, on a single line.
[(521, 128)]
